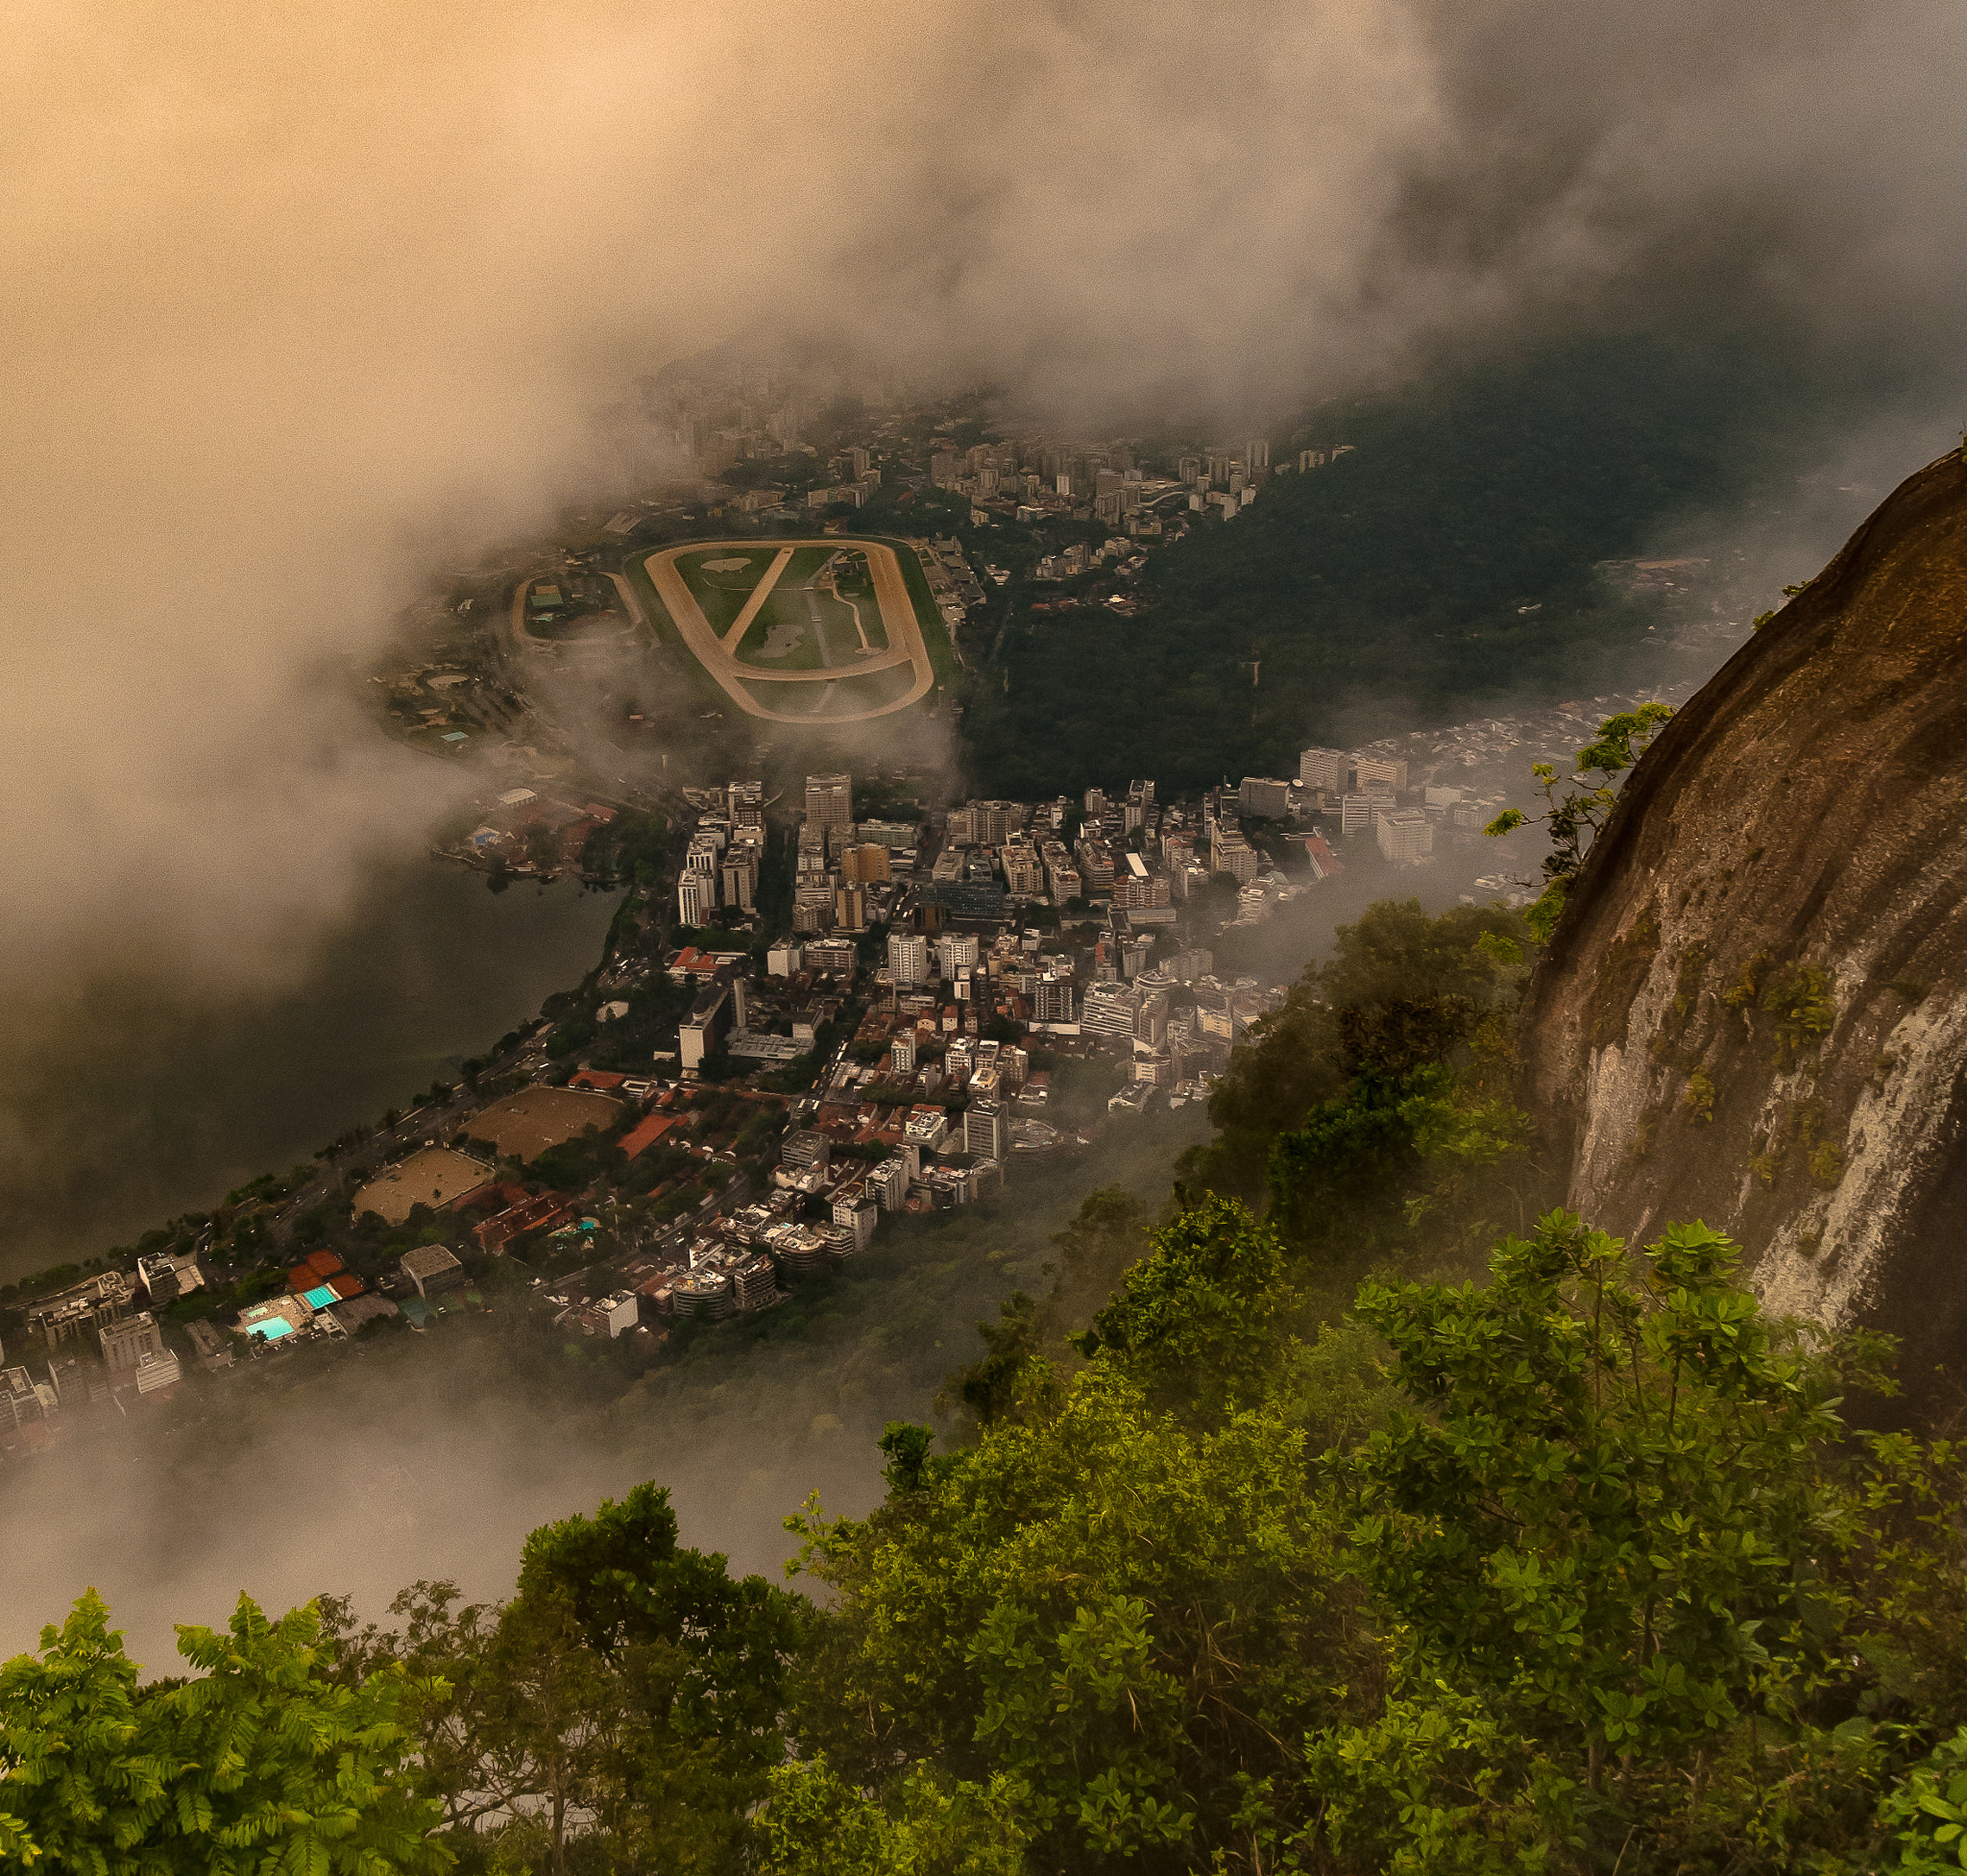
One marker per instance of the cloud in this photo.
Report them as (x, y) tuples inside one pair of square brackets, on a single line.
[(305, 302)]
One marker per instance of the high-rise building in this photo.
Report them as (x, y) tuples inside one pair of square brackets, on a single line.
[(77, 1313), (1264, 795), (1230, 853), (1052, 999), (986, 1130), (1368, 769), (1362, 810), (955, 953), (830, 800), (888, 1182), (130, 1343), (1406, 837), (1256, 452), (1024, 876), (696, 898), (740, 876), (908, 958), (850, 909), (701, 1031), (865, 865), (1323, 769)]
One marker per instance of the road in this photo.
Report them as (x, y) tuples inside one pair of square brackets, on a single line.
[(905, 642)]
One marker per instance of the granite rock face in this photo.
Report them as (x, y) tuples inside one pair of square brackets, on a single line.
[(1753, 1011)]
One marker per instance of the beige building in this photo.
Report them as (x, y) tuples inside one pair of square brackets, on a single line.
[(829, 800), (1406, 837), (1323, 769), (131, 1342), (79, 1312), (865, 865)]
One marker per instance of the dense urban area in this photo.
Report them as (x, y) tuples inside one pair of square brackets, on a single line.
[(838, 987)]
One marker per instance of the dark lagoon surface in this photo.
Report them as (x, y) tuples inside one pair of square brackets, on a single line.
[(156, 1110)]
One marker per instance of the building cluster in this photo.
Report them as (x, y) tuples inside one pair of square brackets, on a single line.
[(525, 832), (726, 849), (96, 1342)]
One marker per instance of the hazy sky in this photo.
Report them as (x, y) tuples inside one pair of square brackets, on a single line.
[(302, 301)]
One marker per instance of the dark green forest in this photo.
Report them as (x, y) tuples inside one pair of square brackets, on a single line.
[(1358, 1510), (1390, 584)]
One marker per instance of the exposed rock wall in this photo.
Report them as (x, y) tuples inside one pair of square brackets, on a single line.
[(1755, 1008)]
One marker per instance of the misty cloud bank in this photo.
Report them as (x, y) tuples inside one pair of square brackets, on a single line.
[(308, 305)]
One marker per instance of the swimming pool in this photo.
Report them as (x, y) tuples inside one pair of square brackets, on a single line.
[(320, 1298), (273, 1328)]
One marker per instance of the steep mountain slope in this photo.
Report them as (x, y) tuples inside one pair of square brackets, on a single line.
[(1754, 1009)]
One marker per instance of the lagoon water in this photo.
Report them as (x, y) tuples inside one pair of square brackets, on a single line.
[(156, 1112)]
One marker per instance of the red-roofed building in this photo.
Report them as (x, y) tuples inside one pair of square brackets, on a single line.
[(647, 1132), (600, 1079), (1325, 862), (539, 1214), (703, 965)]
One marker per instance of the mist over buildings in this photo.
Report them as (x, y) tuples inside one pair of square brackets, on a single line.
[(306, 306)]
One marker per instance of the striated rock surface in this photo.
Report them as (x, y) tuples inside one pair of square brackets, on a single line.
[(1755, 1008)]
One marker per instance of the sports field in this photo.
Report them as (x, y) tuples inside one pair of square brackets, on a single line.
[(833, 618)]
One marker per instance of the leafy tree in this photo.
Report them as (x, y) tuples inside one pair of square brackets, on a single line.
[(261, 1762), (1401, 989), (818, 1825), (629, 1692), (1591, 1535), (1098, 1616), (1578, 806), (1197, 1319)]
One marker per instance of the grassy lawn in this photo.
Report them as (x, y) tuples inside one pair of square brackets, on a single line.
[(782, 638)]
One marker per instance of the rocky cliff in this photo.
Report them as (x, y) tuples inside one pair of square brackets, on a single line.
[(1753, 1011)]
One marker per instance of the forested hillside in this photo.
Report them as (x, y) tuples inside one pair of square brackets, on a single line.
[(1356, 1513), (1447, 561)]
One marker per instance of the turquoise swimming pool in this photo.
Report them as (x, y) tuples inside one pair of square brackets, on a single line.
[(321, 1297), (273, 1328)]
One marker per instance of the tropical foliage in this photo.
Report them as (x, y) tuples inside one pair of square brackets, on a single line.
[(1360, 1518)]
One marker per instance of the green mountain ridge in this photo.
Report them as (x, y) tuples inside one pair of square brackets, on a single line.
[(1450, 560)]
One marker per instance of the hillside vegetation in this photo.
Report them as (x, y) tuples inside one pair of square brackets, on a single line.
[(1348, 1515), (1449, 561)]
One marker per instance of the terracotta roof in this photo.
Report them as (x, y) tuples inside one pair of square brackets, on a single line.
[(647, 1132)]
